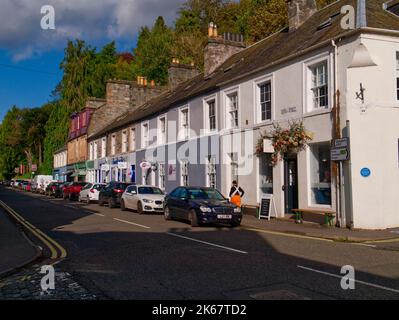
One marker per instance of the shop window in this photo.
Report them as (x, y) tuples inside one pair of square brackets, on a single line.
[(211, 172), (162, 176), (320, 174), (265, 174), (184, 173)]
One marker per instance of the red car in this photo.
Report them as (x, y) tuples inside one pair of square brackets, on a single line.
[(72, 190)]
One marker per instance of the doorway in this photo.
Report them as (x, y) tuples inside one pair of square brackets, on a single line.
[(290, 187)]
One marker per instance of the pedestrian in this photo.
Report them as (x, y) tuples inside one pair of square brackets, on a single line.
[(236, 194)]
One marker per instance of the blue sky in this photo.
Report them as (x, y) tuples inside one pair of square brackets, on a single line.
[(30, 57)]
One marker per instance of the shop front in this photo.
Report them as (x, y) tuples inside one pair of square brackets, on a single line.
[(80, 172)]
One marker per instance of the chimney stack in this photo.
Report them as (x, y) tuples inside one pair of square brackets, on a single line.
[(179, 73), (299, 11), (220, 48)]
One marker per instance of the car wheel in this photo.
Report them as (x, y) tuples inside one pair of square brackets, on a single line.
[(123, 207), (70, 197), (139, 208), (64, 197), (167, 214), (111, 203), (100, 202), (193, 218)]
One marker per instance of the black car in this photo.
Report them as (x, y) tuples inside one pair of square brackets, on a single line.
[(52, 188), (201, 206), (112, 193)]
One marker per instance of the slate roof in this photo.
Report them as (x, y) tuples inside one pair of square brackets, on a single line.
[(320, 28)]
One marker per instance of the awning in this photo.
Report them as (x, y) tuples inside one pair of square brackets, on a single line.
[(79, 174)]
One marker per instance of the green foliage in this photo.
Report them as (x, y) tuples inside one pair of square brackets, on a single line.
[(153, 53)]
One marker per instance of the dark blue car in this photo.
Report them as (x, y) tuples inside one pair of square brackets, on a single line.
[(201, 206)]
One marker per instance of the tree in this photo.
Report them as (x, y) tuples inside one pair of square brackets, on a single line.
[(153, 53)]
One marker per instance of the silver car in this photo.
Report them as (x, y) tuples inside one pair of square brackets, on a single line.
[(90, 192), (143, 199)]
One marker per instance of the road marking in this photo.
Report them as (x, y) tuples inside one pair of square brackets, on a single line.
[(49, 242), (276, 233), (365, 245), (384, 241), (100, 215), (207, 243), (358, 281), (132, 223)]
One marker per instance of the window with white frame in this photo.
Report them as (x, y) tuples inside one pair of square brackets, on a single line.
[(319, 85), (113, 144), (232, 110), (184, 124), (125, 142), (91, 151), (162, 176), (162, 130), (95, 150), (265, 101), (144, 135), (103, 147), (132, 139), (211, 172), (210, 115), (397, 75), (234, 166), (184, 170)]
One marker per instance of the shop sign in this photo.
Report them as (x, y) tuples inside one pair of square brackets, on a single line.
[(122, 165)]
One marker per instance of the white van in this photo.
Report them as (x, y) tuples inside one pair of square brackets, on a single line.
[(41, 182)]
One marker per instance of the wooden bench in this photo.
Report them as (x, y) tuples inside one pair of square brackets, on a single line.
[(329, 215)]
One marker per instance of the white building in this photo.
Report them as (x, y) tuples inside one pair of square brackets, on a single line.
[(336, 70)]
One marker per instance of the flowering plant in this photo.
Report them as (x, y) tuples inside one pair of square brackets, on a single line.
[(295, 138)]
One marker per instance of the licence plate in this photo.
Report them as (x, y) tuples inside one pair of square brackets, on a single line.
[(224, 216)]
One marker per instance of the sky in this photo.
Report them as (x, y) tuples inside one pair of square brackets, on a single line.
[(30, 56)]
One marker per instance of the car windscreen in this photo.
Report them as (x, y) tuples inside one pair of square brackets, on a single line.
[(205, 194), (150, 190)]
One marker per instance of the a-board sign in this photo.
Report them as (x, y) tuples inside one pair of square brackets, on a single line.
[(265, 209)]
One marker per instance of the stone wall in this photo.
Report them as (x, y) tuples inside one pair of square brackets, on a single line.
[(179, 73), (218, 51)]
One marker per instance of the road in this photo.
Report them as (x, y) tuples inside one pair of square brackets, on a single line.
[(123, 255)]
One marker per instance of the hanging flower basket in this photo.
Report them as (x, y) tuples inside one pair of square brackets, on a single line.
[(293, 139)]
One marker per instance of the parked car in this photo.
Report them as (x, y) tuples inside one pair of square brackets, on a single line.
[(28, 187), (51, 189), (143, 199), (24, 185), (62, 189), (72, 190), (91, 192), (201, 206), (112, 193), (41, 182)]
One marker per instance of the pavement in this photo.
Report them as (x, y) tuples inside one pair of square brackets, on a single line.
[(122, 255), (16, 249), (319, 231)]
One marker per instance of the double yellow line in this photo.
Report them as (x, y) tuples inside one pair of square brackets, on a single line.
[(49, 242)]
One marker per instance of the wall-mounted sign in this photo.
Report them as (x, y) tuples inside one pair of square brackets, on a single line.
[(105, 167), (365, 172), (340, 150), (122, 165)]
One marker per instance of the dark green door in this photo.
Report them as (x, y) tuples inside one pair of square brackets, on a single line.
[(291, 183)]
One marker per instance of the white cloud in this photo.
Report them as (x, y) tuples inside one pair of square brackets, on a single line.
[(93, 20)]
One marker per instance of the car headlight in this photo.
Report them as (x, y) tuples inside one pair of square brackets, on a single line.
[(147, 201), (237, 210), (205, 209)]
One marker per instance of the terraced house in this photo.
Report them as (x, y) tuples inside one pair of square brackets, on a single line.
[(335, 69)]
